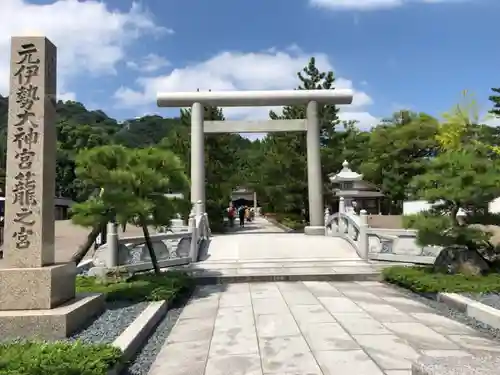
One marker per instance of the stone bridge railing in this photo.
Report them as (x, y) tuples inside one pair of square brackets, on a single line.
[(398, 245), (178, 245)]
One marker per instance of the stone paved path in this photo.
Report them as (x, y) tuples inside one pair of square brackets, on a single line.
[(309, 328), (263, 249)]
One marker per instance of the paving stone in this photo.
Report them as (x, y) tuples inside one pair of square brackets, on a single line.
[(276, 325), (299, 298), (234, 341), (175, 355), (265, 291), (352, 362), (444, 325), (389, 351), (236, 288), (328, 336), (229, 317), (263, 306), (369, 284), (360, 296), (385, 313), (307, 314), (235, 299), (293, 286), (191, 330), (322, 289), (287, 355), (200, 309), (421, 337), (340, 304), (171, 367), (248, 364), (407, 305), (475, 343), (207, 292), (361, 323)]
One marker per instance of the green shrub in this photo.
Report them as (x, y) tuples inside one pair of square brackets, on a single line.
[(423, 280), (59, 358), (138, 288)]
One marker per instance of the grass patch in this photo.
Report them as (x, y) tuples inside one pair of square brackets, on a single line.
[(139, 288), (290, 220), (423, 280), (60, 358)]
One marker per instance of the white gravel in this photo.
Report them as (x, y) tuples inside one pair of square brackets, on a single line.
[(109, 325)]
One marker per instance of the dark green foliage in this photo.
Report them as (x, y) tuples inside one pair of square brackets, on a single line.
[(59, 358), (398, 150), (424, 280), (140, 287), (495, 99), (464, 179)]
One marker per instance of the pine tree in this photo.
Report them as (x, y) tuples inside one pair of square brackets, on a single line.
[(496, 102), (285, 160)]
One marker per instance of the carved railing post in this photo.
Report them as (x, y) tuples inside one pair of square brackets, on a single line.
[(112, 245), (193, 249), (341, 211), (363, 235)]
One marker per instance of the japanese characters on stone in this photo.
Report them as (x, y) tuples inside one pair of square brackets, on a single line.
[(25, 139)]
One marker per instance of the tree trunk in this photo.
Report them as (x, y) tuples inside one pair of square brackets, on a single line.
[(84, 249), (149, 245)]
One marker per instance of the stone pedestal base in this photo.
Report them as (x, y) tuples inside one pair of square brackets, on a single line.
[(37, 288), (51, 324), (314, 231)]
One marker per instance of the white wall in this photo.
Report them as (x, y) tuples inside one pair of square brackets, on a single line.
[(414, 207)]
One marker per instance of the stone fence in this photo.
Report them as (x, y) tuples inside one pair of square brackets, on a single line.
[(396, 245), (179, 245)]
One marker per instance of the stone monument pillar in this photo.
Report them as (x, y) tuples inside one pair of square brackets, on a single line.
[(32, 280)]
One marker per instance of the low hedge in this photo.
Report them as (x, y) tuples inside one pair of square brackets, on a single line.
[(60, 358), (424, 280), (139, 288)]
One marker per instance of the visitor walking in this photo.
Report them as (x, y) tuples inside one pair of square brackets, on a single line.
[(241, 214), (231, 214)]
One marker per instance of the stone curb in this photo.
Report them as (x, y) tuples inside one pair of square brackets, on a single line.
[(218, 279), (131, 340), (474, 309)]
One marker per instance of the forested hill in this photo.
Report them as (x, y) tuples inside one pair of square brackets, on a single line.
[(79, 128)]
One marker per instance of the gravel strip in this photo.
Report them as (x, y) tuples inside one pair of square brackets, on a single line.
[(108, 326), (490, 299), (444, 310), (145, 358)]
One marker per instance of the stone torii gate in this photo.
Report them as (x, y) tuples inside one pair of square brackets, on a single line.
[(197, 101)]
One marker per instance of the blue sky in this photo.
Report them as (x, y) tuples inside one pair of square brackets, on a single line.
[(395, 54)]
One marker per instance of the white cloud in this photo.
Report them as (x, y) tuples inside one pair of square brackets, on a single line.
[(268, 70), (150, 63), (91, 38), (367, 5)]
